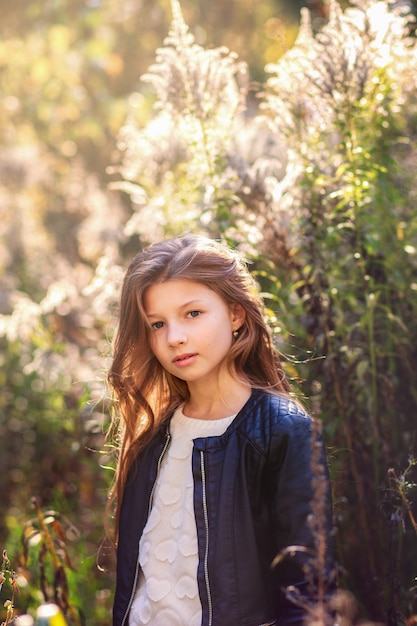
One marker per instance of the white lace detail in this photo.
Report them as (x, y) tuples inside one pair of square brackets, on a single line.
[(167, 593)]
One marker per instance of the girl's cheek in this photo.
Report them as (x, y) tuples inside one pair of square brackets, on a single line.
[(152, 342), (156, 341)]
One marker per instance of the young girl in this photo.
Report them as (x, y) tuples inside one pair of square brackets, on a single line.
[(214, 475)]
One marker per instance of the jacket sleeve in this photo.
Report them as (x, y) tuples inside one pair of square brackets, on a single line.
[(299, 494)]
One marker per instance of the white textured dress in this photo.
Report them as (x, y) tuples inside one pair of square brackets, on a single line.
[(167, 592)]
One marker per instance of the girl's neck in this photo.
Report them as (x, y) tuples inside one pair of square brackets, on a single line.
[(226, 401)]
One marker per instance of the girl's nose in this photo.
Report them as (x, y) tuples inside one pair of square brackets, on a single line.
[(176, 335)]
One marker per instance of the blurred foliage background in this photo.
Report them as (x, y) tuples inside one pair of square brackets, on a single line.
[(300, 149)]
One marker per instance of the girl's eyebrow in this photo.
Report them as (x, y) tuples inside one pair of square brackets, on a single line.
[(187, 304)]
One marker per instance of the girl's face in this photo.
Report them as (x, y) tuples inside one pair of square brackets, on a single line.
[(191, 329)]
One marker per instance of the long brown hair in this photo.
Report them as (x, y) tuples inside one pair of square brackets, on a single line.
[(145, 394)]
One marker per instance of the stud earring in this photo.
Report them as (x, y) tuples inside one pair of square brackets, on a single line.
[(235, 333)]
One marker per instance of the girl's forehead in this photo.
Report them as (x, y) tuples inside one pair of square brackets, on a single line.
[(178, 285), (176, 292)]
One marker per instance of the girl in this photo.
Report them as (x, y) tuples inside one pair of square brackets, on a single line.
[(214, 477)]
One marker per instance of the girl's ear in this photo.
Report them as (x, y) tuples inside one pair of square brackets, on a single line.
[(238, 315)]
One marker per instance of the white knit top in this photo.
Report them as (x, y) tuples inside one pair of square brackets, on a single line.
[(167, 592)]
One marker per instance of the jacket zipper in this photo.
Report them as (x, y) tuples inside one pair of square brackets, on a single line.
[(158, 469), (206, 523)]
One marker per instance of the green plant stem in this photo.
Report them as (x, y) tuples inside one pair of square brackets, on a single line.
[(393, 474)]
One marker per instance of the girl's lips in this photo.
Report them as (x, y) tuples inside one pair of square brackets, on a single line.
[(184, 359)]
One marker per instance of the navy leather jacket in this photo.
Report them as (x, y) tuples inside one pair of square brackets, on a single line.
[(252, 497)]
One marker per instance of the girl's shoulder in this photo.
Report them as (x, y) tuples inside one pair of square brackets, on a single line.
[(268, 415), (274, 405)]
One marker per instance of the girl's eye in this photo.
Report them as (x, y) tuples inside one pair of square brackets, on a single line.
[(193, 313), (157, 325)]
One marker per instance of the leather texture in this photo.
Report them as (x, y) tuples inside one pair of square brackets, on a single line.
[(252, 499)]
